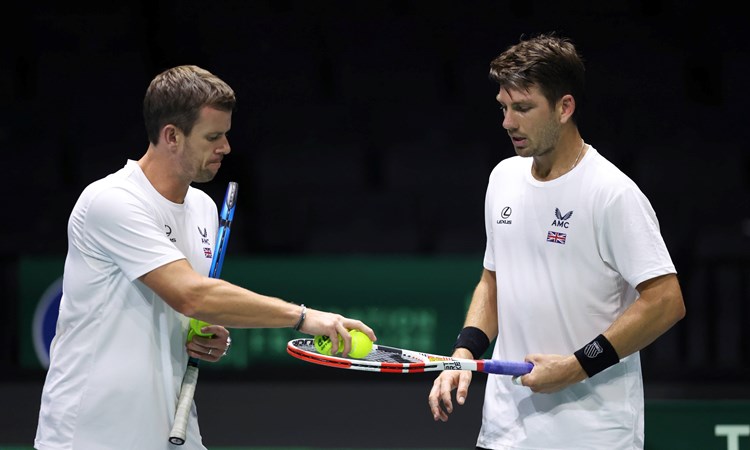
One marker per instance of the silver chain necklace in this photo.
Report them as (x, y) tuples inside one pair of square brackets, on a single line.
[(583, 144)]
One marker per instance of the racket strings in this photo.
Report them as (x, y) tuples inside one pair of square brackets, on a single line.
[(378, 354), (381, 355)]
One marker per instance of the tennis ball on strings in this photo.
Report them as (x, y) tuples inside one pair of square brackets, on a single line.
[(361, 344), (323, 344), (195, 329)]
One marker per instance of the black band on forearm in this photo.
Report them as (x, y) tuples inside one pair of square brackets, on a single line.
[(474, 340), (302, 316), (597, 355)]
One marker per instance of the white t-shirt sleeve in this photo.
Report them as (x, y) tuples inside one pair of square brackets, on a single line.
[(630, 239), (123, 229), (489, 251)]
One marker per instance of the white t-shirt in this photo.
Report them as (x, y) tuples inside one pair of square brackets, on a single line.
[(118, 356), (568, 254)]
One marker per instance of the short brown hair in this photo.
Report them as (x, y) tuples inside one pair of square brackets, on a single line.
[(177, 95), (547, 61)]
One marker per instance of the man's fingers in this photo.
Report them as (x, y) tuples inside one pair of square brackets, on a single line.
[(464, 380), (461, 392), (440, 400)]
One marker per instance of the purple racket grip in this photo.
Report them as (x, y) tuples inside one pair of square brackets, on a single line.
[(506, 367)]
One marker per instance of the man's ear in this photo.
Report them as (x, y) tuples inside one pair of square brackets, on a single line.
[(171, 135), (566, 107)]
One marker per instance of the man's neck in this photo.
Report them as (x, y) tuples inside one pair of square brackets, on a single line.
[(561, 160), (162, 174)]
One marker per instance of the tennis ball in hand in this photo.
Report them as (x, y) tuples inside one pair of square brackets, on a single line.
[(195, 329), (323, 344), (361, 344)]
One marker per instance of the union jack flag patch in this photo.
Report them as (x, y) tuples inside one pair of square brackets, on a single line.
[(207, 252), (556, 237)]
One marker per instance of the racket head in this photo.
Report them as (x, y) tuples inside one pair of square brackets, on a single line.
[(380, 359), (304, 349), (396, 360)]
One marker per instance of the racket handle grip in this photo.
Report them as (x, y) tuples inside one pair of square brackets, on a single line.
[(507, 367), (184, 404)]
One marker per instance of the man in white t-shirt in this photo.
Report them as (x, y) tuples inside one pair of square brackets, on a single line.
[(577, 278), (136, 271)]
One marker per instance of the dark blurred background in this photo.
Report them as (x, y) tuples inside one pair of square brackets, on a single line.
[(368, 130)]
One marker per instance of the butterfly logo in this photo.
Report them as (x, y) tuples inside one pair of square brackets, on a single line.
[(562, 219), (559, 215)]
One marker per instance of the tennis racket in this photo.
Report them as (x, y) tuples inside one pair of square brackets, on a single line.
[(189, 381), (397, 360)]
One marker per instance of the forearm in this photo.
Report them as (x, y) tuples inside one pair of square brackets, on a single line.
[(659, 307), (221, 303), (217, 301), (482, 314), (482, 311), (230, 305)]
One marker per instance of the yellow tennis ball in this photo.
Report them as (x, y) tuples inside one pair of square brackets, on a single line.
[(195, 329), (323, 344), (361, 344)]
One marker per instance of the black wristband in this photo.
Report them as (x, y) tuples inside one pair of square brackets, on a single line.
[(302, 316), (597, 355), (474, 340)]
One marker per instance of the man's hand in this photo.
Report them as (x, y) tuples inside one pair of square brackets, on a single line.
[(551, 373), (439, 399), (210, 348)]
